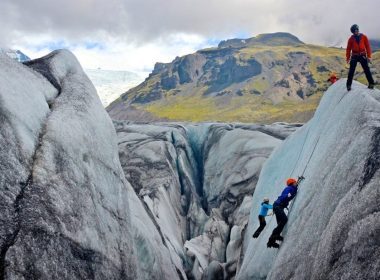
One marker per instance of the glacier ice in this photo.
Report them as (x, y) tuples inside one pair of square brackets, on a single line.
[(196, 182), (331, 232), (64, 195), (80, 200)]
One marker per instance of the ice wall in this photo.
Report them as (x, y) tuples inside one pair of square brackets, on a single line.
[(334, 224), (195, 182), (64, 199)]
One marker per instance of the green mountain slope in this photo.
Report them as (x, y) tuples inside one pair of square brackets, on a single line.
[(271, 77)]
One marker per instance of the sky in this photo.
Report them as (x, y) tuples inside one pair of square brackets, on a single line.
[(134, 34)]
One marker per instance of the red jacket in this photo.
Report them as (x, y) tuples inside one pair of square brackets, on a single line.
[(332, 79), (362, 48)]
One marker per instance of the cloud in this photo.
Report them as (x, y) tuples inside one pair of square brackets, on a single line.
[(117, 55), (146, 20), (168, 27)]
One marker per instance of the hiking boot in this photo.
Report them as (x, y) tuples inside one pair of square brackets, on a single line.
[(279, 238), (371, 86), (348, 88), (255, 235), (273, 245)]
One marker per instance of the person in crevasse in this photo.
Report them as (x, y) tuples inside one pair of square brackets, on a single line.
[(358, 50), (265, 206), (279, 206), (333, 78)]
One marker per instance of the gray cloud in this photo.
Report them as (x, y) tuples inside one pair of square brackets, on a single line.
[(141, 21)]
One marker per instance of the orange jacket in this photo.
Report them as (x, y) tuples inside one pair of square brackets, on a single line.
[(362, 48)]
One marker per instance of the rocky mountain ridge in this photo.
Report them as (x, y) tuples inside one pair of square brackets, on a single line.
[(268, 78)]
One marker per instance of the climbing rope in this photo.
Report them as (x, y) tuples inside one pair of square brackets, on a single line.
[(301, 178)]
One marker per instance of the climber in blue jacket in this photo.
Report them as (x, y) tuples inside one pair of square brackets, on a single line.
[(265, 206), (279, 206)]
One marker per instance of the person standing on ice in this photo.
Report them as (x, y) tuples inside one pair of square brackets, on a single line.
[(358, 50), (279, 206), (265, 206)]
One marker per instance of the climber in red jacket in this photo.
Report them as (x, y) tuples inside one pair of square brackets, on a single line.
[(358, 50), (333, 78)]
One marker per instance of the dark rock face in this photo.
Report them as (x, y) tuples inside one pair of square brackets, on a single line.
[(169, 82), (183, 70), (190, 68), (65, 212), (149, 97), (283, 83), (229, 72)]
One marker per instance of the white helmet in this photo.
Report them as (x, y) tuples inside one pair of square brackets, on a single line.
[(266, 199)]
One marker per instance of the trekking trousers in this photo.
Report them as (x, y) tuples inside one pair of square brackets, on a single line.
[(364, 62), (261, 227), (281, 219)]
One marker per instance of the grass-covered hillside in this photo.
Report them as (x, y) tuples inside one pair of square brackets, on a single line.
[(268, 78)]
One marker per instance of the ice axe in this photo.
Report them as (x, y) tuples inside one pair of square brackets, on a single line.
[(300, 179)]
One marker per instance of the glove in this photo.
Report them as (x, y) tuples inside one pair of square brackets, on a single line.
[(369, 60)]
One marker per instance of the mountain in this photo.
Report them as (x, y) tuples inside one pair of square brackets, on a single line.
[(16, 55), (375, 45), (83, 197), (274, 39), (110, 83), (268, 78)]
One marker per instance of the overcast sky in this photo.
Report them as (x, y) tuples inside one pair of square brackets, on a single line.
[(134, 34)]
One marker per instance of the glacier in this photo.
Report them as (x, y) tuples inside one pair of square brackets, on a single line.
[(110, 84), (85, 197), (64, 203), (192, 179), (334, 222)]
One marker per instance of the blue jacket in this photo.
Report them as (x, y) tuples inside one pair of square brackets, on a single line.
[(264, 208), (287, 195)]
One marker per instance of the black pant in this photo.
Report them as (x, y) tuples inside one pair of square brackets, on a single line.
[(363, 61), (281, 219), (261, 227)]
